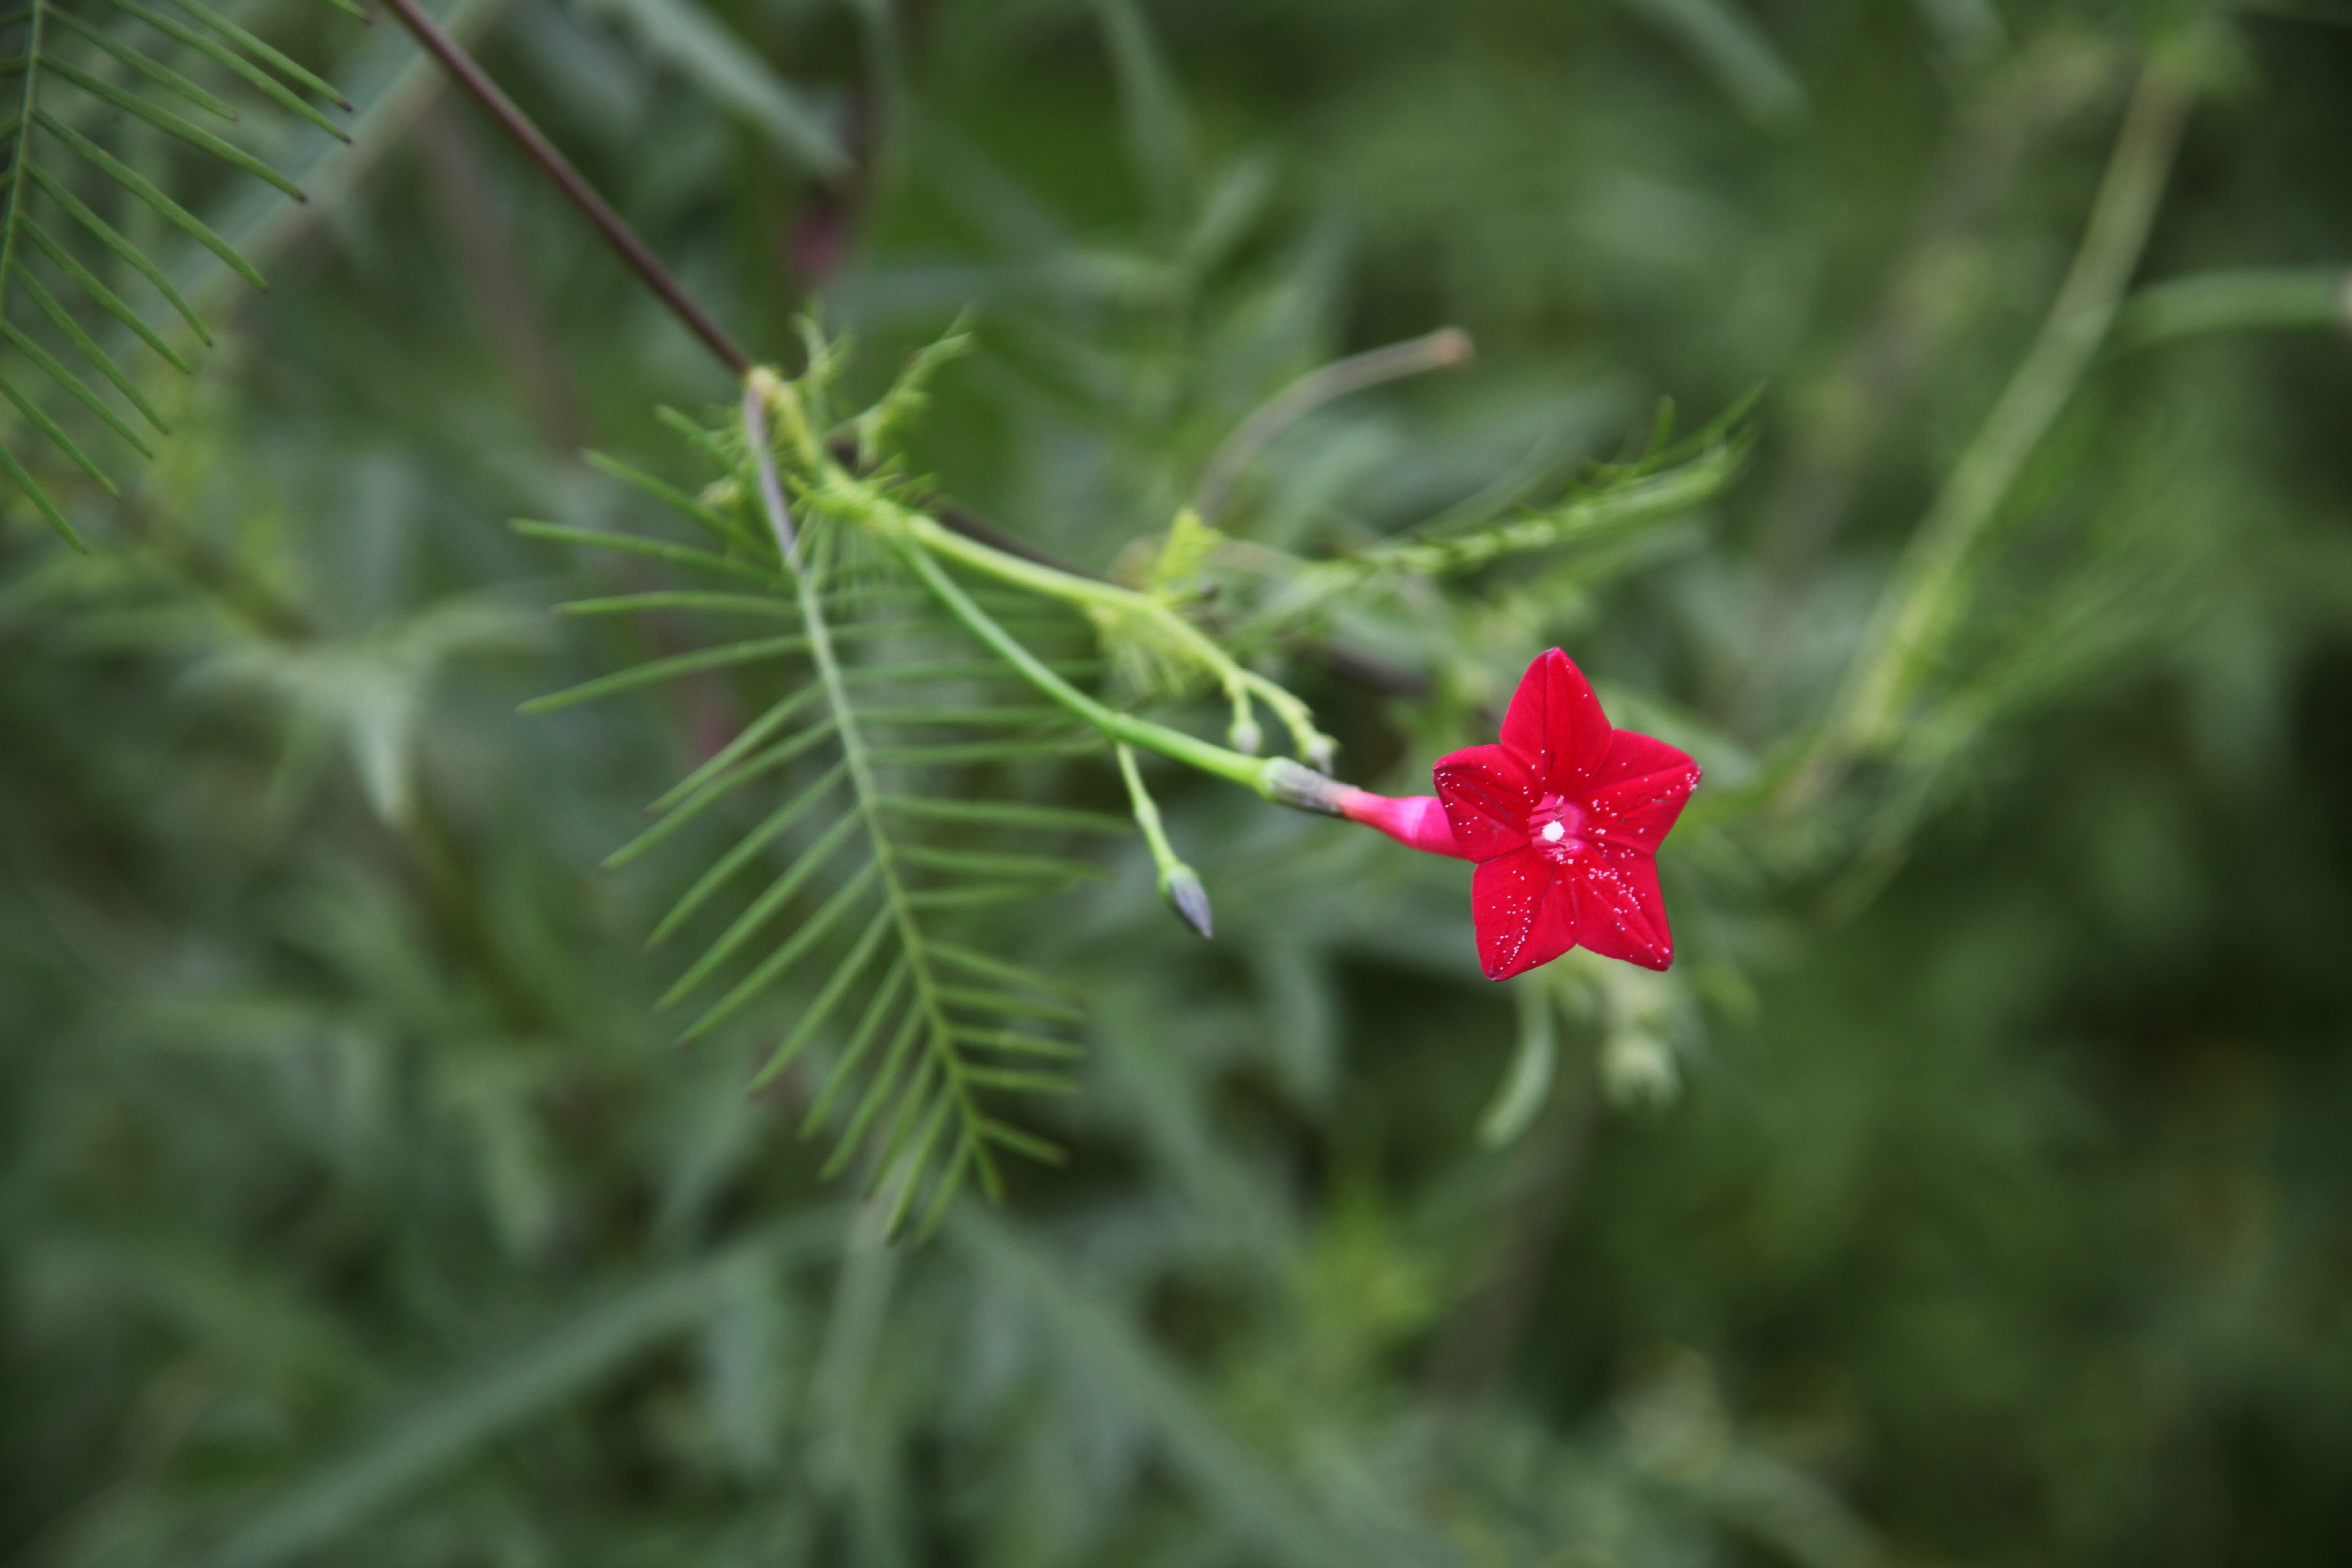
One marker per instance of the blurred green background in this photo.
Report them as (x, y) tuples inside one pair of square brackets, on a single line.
[(1978, 1189)]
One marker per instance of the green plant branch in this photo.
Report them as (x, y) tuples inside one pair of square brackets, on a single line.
[(1442, 350), (1306, 586), (1927, 597), (759, 389), (1239, 682), (990, 548), (920, 540), (1676, 490), (1190, 749)]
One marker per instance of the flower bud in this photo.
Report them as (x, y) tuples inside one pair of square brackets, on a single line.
[(1291, 783), (1181, 886)]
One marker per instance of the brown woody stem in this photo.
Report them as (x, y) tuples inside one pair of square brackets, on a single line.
[(558, 168)]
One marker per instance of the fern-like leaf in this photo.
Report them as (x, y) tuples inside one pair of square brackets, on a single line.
[(858, 888), (74, 73)]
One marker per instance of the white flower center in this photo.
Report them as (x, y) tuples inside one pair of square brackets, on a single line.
[(1553, 833)]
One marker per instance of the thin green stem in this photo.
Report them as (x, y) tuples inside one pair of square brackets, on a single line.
[(1050, 580), (2314, 299), (1146, 809), (1239, 682), (1927, 596), (1178, 883), (1190, 749), (1441, 350)]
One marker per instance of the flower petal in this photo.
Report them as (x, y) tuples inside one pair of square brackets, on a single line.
[(1631, 756), (1620, 912), (1526, 910), (1554, 725), (1417, 821), (1487, 794), (1640, 790)]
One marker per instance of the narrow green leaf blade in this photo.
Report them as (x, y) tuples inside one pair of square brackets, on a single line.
[(130, 255), (40, 498), (637, 544), (951, 669), (826, 917), (1022, 1080), (1020, 1143), (826, 1000), (776, 756), (73, 384), (1020, 1043), (976, 716), (728, 528), (877, 1094), (700, 601), (63, 320), (755, 733), (141, 186), (434, 1428), (907, 1170), (879, 1008), (696, 436), (970, 1150), (55, 432), (763, 908), (289, 68), (261, 81), (779, 821), (724, 656), (152, 69), (988, 966), (178, 125), (912, 1103), (764, 762), (1006, 1003)]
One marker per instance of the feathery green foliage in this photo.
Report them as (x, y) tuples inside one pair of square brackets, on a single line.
[(862, 873), (1966, 1194), (65, 69)]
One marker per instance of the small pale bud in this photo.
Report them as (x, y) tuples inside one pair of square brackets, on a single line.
[(1290, 784), (1245, 737), (1181, 886), (1322, 754)]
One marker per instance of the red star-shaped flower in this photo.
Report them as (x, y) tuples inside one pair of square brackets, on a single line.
[(1564, 817)]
